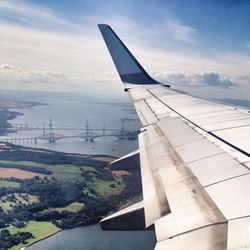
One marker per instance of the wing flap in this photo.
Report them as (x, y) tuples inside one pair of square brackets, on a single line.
[(152, 186), (130, 161), (129, 218)]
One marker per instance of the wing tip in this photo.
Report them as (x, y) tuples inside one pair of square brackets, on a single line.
[(103, 25)]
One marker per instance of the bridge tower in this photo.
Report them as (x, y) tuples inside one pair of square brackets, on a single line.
[(52, 138), (122, 132), (44, 132), (88, 135), (87, 132), (104, 130)]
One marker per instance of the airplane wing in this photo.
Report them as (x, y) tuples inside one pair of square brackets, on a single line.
[(194, 160)]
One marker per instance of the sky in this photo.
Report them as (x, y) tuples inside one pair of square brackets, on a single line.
[(199, 46)]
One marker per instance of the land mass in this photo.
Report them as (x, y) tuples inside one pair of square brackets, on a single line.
[(61, 191), (15, 104), (7, 115)]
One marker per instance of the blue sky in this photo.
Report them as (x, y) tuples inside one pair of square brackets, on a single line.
[(199, 46)]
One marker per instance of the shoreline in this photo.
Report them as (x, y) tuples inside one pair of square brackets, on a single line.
[(8, 110), (60, 230)]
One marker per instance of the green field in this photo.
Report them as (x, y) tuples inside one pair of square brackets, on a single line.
[(40, 230), (20, 199), (25, 163), (69, 173), (62, 172), (73, 207), (104, 187), (8, 184)]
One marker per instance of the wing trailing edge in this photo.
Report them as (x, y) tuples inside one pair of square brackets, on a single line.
[(130, 161), (129, 218)]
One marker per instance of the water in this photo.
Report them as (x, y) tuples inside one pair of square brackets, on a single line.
[(70, 112), (93, 238)]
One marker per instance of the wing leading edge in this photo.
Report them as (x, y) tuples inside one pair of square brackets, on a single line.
[(194, 160)]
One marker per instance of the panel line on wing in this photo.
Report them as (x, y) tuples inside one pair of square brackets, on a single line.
[(230, 144), (151, 109), (203, 129), (222, 129), (234, 177)]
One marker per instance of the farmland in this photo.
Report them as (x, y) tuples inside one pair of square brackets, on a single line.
[(11, 200), (17, 173), (44, 196), (39, 230), (6, 184), (73, 207), (108, 188)]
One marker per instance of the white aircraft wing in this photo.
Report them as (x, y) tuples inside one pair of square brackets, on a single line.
[(194, 160)]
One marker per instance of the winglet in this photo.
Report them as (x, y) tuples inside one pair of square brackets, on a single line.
[(128, 67)]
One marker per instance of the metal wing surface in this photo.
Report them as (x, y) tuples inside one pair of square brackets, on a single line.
[(194, 160)]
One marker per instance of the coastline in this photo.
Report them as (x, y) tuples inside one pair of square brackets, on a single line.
[(8, 112), (93, 237), (60, 230)]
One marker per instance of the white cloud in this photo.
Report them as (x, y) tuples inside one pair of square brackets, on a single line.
[(206, 84), (6, 66), (25, 77), (181, 32), (104, 77), (28, 13), (55, 81), (201, 79)]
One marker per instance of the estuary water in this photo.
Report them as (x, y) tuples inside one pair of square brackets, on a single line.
[(73, 113), (93, 238)]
